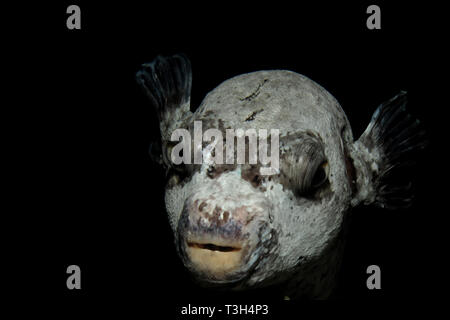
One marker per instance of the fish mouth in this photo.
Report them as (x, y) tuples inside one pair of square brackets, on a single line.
[(212, 247), (215, 260), (221, 248)]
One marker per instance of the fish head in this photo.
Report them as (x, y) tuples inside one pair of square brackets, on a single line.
[(233, 223)]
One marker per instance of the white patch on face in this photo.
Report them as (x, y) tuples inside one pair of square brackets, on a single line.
[(207, 156), (174, 200)]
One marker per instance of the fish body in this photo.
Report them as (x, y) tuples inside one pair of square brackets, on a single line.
[(237, 228)]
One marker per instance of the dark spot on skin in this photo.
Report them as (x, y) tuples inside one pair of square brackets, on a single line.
[(221, 126), (210, 171), (249, 219), (215, 171), (202, 206), (251, 117), (208, 113), (251, 174), (255, 93), (226, 214)]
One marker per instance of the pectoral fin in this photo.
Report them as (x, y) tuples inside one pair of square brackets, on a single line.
[(386, 153), (167, 83)]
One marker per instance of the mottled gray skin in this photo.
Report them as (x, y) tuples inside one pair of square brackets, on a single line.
[(305, 229), (288, 231)]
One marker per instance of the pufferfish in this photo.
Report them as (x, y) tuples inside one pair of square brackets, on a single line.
[(237, 229)]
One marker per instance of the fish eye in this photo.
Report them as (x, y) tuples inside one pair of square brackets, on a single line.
[(180, 168), (321, 176), (314, 181)]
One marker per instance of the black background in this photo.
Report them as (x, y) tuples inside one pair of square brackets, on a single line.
[(94, 199)]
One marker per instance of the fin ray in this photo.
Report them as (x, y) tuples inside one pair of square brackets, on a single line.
[(167, 82), (385, 153)]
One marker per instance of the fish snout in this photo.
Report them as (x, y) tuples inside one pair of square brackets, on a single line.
[(219, 244)]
